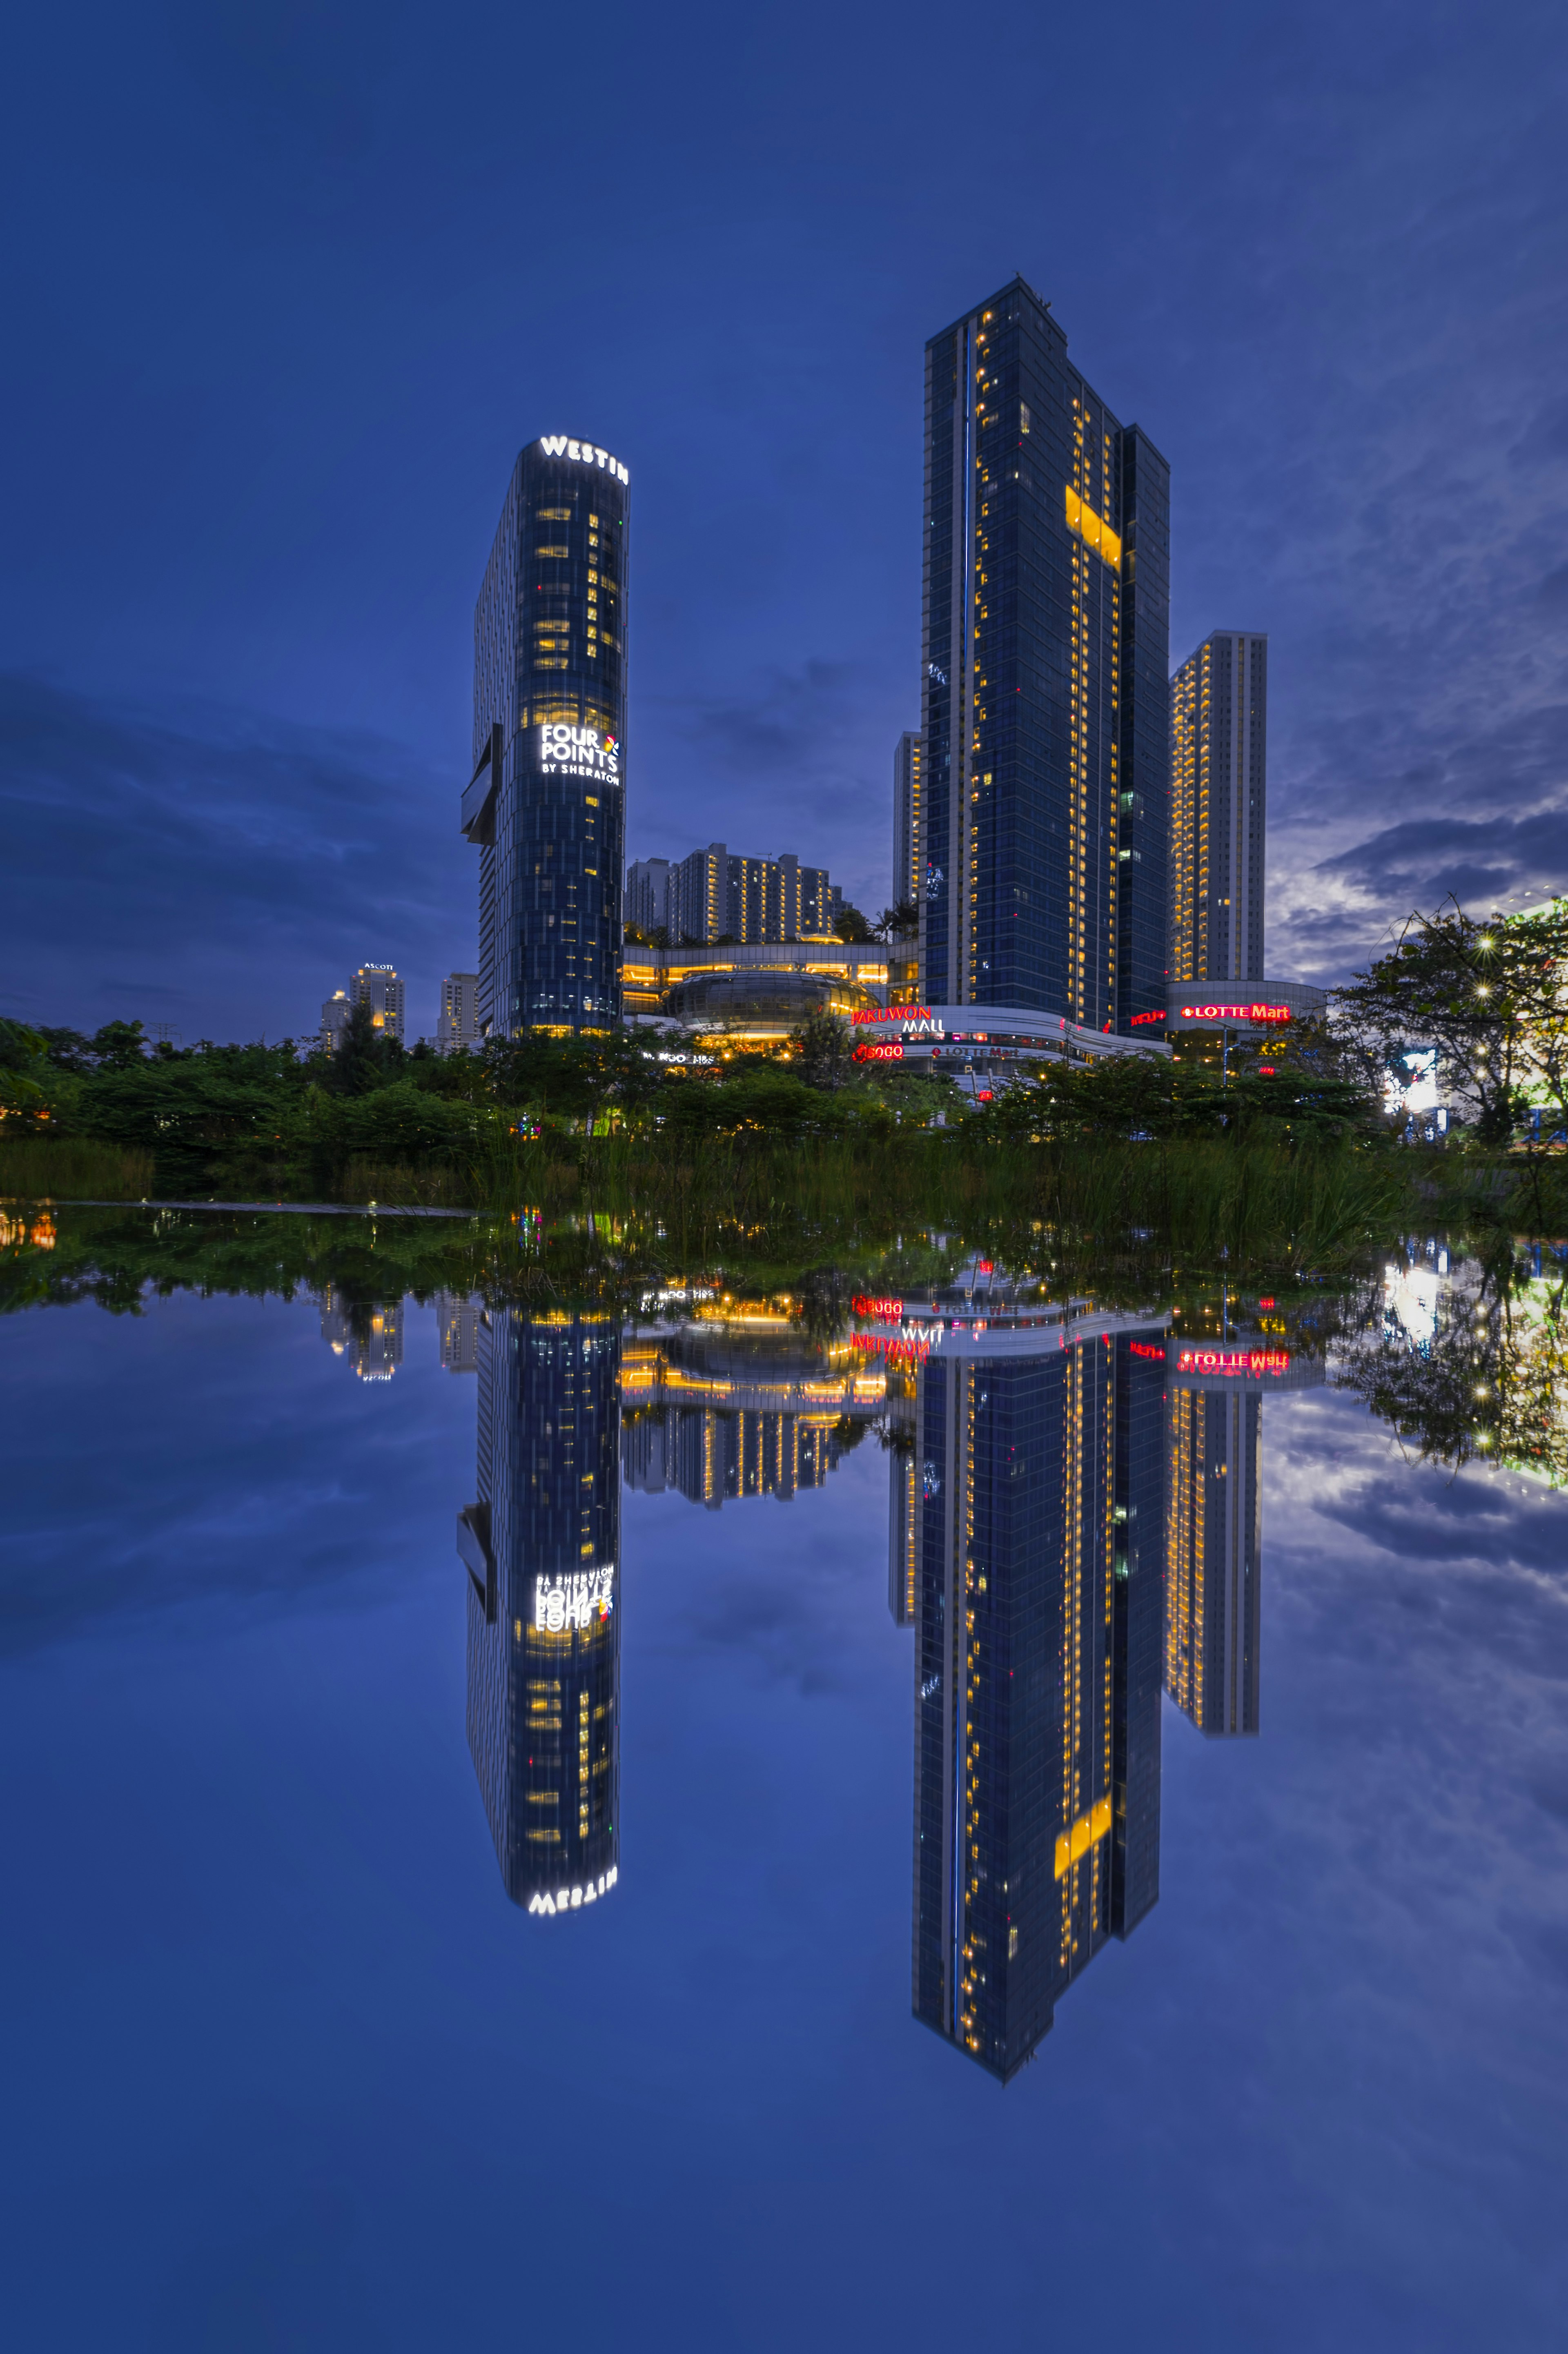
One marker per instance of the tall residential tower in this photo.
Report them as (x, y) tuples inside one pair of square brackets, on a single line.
[(546, 804), (1046, 700), (1219, 745), (906, 783)]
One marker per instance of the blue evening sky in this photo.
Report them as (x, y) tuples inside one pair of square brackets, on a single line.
[(287, 286)]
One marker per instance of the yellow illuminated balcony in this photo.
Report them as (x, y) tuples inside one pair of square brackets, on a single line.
[(1093, 530)]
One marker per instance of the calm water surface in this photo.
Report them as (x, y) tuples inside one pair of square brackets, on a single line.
[(1001, 1805)]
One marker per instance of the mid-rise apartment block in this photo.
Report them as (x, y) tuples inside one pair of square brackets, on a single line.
[(715, 894)]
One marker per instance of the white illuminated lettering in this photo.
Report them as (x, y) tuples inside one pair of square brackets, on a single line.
[(586, 453), (574, 1603)]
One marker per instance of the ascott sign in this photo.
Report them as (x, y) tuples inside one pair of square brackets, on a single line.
[(569, 751), (585, 454)]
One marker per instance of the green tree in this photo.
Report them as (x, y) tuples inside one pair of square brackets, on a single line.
[(826, 1058), (366, 1058), (1474, 991), (851, 926)]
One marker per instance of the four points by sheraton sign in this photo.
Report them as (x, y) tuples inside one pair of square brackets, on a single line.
[(569, 751)]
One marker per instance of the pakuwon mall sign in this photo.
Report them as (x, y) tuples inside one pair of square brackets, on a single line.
[(568, 751), (912, 1021), (585, 454)]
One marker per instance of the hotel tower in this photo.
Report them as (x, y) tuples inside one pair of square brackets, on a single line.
[(546, 806), (541, 1543), (1045, 729)]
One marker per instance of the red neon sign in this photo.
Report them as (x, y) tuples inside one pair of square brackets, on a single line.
[(892, 1013), (886, 1311), (1139, 1019), (892, 1346), (1237, 1361), (1256, 1011), (879, 1053), (1142, 1349)]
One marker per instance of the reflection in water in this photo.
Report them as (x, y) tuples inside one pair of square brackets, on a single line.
[(1036, 1557), (542, 1546), (1072, 1527), (721, 1411), (370, 1334), (1214, 1560)]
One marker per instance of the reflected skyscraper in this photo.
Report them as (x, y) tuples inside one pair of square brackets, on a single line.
[(368, 1332), (1214, 1544), (542, 1547), (1037, 1564), (723, 1410)]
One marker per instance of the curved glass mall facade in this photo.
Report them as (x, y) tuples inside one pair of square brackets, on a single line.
[(546, 805)]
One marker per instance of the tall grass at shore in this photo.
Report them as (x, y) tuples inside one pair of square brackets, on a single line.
[(78, 1168)]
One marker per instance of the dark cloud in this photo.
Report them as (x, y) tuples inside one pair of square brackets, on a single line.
[(224, 871), (1425, 859)]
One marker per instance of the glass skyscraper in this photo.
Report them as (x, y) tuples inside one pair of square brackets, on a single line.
[(542, 1547), (1046, 699), (546, 804), (1036, 1573)]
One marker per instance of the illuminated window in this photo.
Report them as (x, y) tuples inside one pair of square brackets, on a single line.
[(552, 551)]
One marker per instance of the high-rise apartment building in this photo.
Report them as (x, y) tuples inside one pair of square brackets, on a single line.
[(377, 987), (546, 804), (458, 1317), (1219, 753), (648, 896), (906, 782), (1046, 691), (1217, 1384), (1212, 1631), (542, 1547), (1035, 1567), (459, 1029)]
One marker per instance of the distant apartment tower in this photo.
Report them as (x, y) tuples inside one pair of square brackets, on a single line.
[(1219, 747), (336, 1011), (544, 806), (715, 894), (377, 987), (906, 762), (1045, 736), (457, 1027), (370, 1336), (648, 896), (458, 1317)]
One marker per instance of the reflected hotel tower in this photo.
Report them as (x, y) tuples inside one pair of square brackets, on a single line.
[(545, 807), (1034, 1557), (542, 1547)]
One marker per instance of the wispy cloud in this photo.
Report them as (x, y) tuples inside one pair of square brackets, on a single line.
[(224, 870)]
